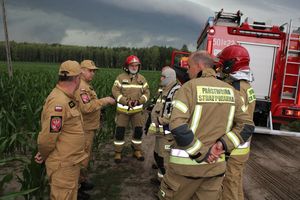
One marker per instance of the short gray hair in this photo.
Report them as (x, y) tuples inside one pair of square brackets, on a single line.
[(202, 57)]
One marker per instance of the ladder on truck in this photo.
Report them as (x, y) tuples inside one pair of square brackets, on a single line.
[(291, 76), (228, 19)]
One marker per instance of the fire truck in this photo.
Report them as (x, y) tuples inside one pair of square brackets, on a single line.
[(274, 60)]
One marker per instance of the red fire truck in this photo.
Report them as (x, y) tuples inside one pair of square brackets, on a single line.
[(274, 59)]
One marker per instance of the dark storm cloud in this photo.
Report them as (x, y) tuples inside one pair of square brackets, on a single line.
[(48, 21)]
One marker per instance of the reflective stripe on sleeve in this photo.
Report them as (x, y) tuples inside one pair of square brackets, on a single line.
[(145, 85), (119, 97), (233, 138), (242, 149), (117, 83), (196, 118), (192, 150), (230, 118), (145, 97), (180, 106)]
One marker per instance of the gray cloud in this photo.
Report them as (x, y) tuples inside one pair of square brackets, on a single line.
[(133, 23)]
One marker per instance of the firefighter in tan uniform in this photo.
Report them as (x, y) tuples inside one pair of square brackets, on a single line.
[(90, 107), (160, 117), (234, 62), (131, 91), (61, 141), (206, 121)]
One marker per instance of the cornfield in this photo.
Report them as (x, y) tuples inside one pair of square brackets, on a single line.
[(21, 103)]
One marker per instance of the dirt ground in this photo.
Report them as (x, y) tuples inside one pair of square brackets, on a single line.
[(273, 171)]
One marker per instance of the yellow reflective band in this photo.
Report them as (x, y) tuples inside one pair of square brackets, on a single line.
[(145, 97), (131, 86), (188, 161), (145, 85), (251, 95), (119, 97), (192, 150), (239, 152), (161, 128), (136, 141), (117, 83), (244, 107), (126, 109), (196, 118), (119, 142), (230, 118), (152, 128), (163, 194), (233, 138), (180, 106), (215, 94)]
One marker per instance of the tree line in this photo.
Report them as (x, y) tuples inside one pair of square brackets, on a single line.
[(152, 58)]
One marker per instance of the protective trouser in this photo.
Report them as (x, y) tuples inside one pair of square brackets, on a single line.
[(176, 187), (63, 179), (233, 180), (122, 121), (89, 139)]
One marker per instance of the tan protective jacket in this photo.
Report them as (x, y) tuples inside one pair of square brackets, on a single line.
[(206, 110), (161, 112), (61, 137), (130, 87), (89, 105)]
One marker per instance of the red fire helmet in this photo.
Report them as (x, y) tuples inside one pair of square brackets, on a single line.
[(234, 58), (131, 59)]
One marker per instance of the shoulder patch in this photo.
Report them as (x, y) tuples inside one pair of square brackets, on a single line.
[(58, 108), (85, 98), (55, 124), (71, 104)]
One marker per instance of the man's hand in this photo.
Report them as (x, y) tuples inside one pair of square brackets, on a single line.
[(38, 158), (109, 100), (215, 152)]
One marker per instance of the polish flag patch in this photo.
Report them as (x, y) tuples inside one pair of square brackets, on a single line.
[(58, 108), (55, 124), (85, 98)]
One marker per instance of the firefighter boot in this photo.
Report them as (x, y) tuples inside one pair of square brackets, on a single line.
[(118, 157), (138, 155)]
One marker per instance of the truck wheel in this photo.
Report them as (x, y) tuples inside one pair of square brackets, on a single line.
[(276, 126)]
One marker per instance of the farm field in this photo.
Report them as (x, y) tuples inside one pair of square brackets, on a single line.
[(21, 103), (271, 173)]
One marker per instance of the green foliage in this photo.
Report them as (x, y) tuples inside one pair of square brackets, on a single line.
[(153, 58)]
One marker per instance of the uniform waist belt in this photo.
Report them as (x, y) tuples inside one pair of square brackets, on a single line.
[(179, 156), (127, 109)]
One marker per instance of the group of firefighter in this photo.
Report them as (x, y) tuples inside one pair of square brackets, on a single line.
[(202, 127)]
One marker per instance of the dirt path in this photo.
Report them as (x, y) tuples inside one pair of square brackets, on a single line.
[(273, 171)]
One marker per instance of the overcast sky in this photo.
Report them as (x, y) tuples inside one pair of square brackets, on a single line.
[(131, 23)]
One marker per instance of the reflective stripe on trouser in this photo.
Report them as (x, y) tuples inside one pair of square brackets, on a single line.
[(176, 187), (119, 139), (137, 120), (63, 180), (125, 109), (179, 156), (233, 180), (137, 138)]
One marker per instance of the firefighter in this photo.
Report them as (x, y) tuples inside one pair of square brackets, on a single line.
[(61, 141), (131, 91), (90, 107), (234, 62), (160, 117), (206, 121)]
